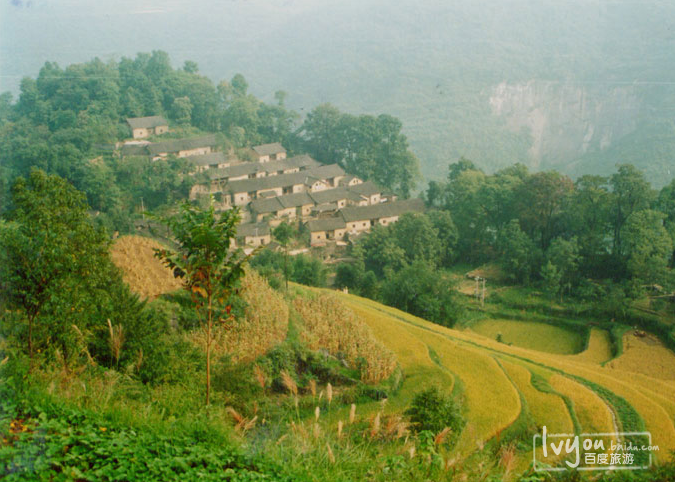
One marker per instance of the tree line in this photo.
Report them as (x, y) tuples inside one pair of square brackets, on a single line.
[(596, 238)]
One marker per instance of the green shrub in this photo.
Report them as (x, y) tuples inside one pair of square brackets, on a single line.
[(434, 410)]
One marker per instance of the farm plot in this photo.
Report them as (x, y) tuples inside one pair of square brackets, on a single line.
[(145, 274), (532, 335), (645, 355), (599, 348), (546, 408)]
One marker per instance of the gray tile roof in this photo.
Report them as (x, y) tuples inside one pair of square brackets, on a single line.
[(295, 200), (325, 207), (306, 177), (272, 205), (253, 229), (248, 168), (175, 145), (366, 188), (147, 122), (381, 210), (134, 150), (266, 206), (328, 224), (269, 149), (329, 195), (209, 159)]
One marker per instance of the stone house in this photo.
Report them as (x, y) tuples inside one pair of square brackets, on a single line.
[(322, 230), (269, 152), (213, 161), (362, 218), (253, 234), (195, 146), (290, 206), (142, 127)]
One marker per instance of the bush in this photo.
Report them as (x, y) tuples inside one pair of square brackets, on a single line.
[(434, 410)]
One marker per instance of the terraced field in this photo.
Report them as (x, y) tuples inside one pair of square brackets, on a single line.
[(537, 336), (568, 392), (638, 349)]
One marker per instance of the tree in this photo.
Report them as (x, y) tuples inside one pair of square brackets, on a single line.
[(447, 235), (283, 234), (518, 253), (419, 239), (181, 110), (308, 270), (563, 260), (370, 147), (209, 270), (648, 246), (419, 290), (587, 216), (541, 201), (47, 246), (630, 193), (434, 410)]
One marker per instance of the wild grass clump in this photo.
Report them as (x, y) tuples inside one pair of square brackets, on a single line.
[(331, 325)]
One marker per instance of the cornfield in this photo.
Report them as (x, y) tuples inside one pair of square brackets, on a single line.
[(145, 274), (331, 325), (264, 326)]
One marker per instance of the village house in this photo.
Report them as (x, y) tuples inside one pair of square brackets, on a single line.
[(245, 191), (253, 234), (350, 180), (322, 230), (362, 218), (142, 127), (369, 192), (359, 219), (269, 152), (290, 206), (195, 146), (338, 196), (252, 170), (212, 161)]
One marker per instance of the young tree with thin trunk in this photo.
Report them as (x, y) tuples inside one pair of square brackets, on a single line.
[(283, 234), (203, 260)]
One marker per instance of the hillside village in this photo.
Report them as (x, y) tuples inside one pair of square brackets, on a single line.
[(271, 188)]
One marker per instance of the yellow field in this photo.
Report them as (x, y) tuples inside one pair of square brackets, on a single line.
[(536, 336), (546, 408), (592, 412), (645, 355), (599, 348), (492, 401), (651, 397), (145, 274)]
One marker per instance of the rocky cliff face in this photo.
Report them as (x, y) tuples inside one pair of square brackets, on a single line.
[(566, 120)]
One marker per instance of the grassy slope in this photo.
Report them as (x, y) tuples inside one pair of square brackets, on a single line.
[(466, 363)]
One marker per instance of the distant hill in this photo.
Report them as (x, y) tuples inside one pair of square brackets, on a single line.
[(575, 85)]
